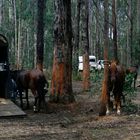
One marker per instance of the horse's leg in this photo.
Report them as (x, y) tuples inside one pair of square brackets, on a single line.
[(36, 100), (135, 78), (115, 99), (44, 103), (21, 101), (35, 105), (41, 99), (114, 102), (39, 102), (123, 98), (134, 82), (27, 100), (118, 101), (108, 104)]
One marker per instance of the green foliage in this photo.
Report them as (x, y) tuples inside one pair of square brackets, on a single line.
[(96, 76), (130, 107), (77, 76), (128, 88), (96, 82), (130, 93)]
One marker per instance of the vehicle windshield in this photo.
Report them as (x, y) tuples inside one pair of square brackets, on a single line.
[(92, 60)]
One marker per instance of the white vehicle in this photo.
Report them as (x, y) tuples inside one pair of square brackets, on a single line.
[(92, 62), (80, 66), (100, 64)]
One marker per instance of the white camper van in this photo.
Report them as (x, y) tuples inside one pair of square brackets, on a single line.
[(92, 62)]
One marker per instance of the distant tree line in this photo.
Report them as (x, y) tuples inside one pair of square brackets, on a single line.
[(18, 21)]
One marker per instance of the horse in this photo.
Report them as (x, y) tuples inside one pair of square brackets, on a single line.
[(116, 79), (33, 80), (134, 72)]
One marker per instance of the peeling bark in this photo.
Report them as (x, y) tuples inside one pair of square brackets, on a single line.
[(61, 84)]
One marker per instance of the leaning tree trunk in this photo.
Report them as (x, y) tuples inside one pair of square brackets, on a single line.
[(104, 95), (61, 84), (85, 44), (40, 34)]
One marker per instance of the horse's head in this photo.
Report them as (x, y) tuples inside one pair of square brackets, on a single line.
[(113, 71)]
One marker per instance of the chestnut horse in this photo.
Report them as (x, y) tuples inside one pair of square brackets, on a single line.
[(33, 80), (116, 79), (134, 72)]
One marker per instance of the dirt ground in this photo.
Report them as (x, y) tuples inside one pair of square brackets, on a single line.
[(77, 121)]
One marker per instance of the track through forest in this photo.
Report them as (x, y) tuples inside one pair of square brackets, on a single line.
[(78, 121)]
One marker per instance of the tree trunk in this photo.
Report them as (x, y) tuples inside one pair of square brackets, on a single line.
[(1, 3), (85, 44), (129, 34), (76, 48), (104, 95), (18, 57), (34, 34), (15, 28), (115, 47), (98, 30), (92, 48), (138, 16), (40, 34), (138, 24), (61, 84)]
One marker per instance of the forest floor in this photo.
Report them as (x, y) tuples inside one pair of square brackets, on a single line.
[(77, 121)]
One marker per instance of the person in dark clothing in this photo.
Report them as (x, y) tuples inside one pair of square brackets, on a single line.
[(12, 89)]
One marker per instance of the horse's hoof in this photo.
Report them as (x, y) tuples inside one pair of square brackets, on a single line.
[(35, 109), (114, 107), (107, 112), (118, 112)]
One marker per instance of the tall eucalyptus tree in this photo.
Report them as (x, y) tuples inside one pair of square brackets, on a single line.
[(85, 43), (114, 28), (77, 36), (40, 33), (61, 84), (104, 96)]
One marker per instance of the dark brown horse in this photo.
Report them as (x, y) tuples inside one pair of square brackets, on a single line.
[(33, 80), (116, 79), (134, 72)]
